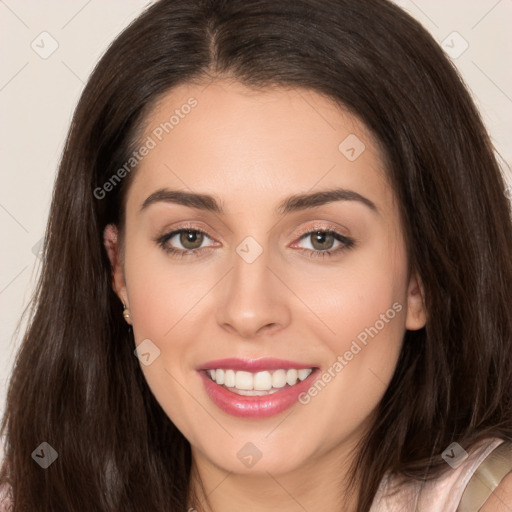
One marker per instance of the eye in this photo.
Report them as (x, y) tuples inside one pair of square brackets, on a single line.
[(190, 240), (322, 241)]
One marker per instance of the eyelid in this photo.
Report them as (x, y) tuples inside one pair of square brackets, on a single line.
[(345, 240), (170, 233), (192, 227), (321, 227)]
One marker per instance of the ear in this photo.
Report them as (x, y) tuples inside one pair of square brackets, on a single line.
[(416, 317), (112, 245)]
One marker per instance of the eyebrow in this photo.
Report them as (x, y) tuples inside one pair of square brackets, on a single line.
[(294, 203)]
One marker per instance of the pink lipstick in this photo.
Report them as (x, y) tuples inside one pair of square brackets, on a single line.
[(256, 388)]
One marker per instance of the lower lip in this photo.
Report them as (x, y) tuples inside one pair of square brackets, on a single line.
[(255, 406)]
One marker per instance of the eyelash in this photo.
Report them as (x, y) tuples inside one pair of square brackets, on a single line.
[(347, 243)]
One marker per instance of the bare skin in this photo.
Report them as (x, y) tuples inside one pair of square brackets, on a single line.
[(251, 150)]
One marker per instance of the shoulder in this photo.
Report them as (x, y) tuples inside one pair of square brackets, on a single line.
[(501, 498), (498, 471), (443, 493), (479, 475)]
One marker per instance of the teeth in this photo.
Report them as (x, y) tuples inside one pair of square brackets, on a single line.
[(262, 381), (254, 392), (304, 373), (243, 380), (291, 377), (279, 379), (259, 383), (229, 379)]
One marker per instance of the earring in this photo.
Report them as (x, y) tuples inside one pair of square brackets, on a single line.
[(126, 314)]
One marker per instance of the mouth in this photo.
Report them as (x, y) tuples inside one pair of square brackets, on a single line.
[(256, 391), (261, 383)]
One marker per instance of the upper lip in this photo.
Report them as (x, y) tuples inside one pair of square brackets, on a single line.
[(253, 365)]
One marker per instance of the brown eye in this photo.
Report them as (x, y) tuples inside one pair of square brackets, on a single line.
[(325, 242), (322, 240), (183, 241), (191, 239)]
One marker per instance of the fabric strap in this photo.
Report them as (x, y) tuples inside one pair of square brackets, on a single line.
[(486, 478)]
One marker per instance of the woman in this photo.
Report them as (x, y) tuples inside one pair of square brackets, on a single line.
[(291, 214)]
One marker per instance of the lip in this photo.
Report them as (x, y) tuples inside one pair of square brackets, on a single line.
[(254, 365), (256, 406)]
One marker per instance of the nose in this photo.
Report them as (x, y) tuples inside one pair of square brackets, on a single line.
[(253, 299)]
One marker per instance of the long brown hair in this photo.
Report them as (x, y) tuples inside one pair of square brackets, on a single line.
[(76, 383)]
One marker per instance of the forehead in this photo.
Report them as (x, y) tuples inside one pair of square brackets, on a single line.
[(246, 144)]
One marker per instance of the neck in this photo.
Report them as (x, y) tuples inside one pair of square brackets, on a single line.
[(319, 484)]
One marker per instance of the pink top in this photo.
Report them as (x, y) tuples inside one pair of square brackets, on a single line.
[(440, 495)]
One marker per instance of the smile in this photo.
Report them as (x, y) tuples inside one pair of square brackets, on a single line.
[(260, 383), (256, 388)]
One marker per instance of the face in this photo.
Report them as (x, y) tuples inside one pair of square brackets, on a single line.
[(304, 295)]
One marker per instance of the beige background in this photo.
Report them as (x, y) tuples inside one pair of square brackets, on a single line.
[(38, 95)]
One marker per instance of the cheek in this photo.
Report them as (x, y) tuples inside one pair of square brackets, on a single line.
[(365, 306), (162, 297), (363, 297), (160, 291)]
